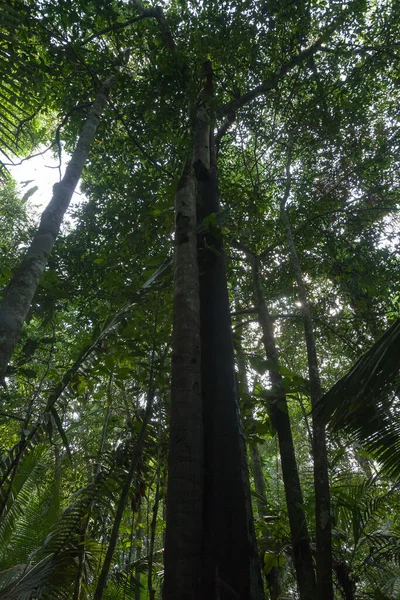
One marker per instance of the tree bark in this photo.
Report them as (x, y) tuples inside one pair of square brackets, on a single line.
[(323, 519), (301, 547), (258, 476), (183, 542), (272, 578), (231, 566), (22, 287), (346, 583)]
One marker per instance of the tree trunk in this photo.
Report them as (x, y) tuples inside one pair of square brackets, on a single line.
[(139, 538), (231, 566), (272, 578), (346, 583), (102, 581), (258, 476), (153, 525), (302, 555), (323, 520), (22, 287), (86, 519), (183, 541)]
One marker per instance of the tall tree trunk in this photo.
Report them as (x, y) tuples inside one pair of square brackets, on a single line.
[(22, 287), (302, 555), (231, 566), (323, 520), (153, 525), (272, 578), (183, 540)]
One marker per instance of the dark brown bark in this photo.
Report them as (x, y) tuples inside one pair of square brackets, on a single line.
[(231, 566), (301, 547), (183, 542), (18, 296), (323, 519)]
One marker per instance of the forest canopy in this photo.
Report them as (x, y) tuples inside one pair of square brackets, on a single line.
[(200, 377)]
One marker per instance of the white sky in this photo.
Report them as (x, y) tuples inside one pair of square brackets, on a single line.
[(41, 171)]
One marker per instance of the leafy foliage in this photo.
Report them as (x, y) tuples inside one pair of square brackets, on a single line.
[(74, 399)]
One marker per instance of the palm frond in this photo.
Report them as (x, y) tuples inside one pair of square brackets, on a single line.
[(16, 510), (124, 583), (384, 580), (23, 79), (49, 579), (359, 503), (49, 571), (364, 403)]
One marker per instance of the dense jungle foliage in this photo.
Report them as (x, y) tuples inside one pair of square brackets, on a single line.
[(270, 293)]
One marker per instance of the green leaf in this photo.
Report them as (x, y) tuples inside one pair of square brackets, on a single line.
[(110, 362), (272, 560)]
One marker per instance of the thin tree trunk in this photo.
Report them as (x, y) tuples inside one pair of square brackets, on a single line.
[(231, 566), (323, 520), (164, 503), (153, 525), (139, 538), (86, 520), (272, 578), (258, 476), (22, 287), (302, 555), (183, 540), (102, 581)]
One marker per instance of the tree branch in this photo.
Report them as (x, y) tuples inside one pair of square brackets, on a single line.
[(229, 119), (272, 81), (147, 14), (137, 144), (158, 14)]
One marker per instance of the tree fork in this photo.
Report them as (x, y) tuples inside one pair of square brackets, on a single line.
[(22, 287)]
